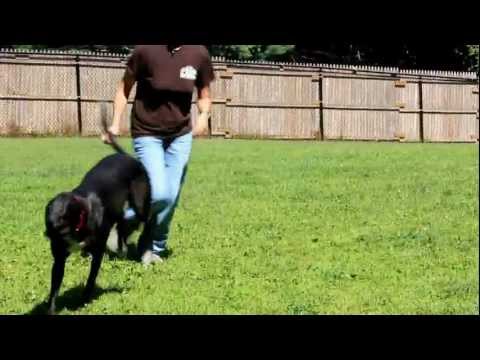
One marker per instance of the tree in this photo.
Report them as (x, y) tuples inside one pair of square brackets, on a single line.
[(26, 47), (123, 49), (254, 52), (473, 57), (441, 56)]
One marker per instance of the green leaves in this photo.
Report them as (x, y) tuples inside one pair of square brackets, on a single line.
[(473, 57), (254, 52), (426, 55)]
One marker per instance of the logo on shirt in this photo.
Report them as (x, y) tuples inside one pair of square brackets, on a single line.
[(188, 73)]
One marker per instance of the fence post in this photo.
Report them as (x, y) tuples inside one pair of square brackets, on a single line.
[(420, 105), (320, 98), (79, 94)]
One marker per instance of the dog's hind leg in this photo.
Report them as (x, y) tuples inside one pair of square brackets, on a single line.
[(122, 237), (139, 197), (144, 241), (58, 271)]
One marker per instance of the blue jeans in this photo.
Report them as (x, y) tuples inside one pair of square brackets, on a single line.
[(166, 162)]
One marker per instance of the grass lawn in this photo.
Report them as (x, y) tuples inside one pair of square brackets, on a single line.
[(265, 227)]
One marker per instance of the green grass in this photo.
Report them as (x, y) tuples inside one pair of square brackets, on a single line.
[(265, 228)]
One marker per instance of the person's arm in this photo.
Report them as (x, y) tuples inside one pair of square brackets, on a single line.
[(204, 107), (122, 94)]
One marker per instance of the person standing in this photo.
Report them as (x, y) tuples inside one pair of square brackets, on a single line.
[(161, 127)]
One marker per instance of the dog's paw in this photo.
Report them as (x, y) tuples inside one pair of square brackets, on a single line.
[(122, 253), (86, 298)]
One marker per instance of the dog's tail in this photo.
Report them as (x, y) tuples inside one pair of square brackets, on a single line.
[(103, 119)]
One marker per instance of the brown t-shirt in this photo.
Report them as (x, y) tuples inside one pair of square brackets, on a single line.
[(165, 83)]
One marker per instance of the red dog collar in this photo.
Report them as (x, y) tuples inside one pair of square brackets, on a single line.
[(82, 222)]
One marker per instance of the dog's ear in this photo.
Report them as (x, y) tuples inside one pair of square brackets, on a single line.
[(95, 212), (55, 210)]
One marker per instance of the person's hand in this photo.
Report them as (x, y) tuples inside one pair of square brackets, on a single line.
[(112, 130), (201, 127), (200, 131)]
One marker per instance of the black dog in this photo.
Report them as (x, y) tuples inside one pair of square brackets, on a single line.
[(82, 219)]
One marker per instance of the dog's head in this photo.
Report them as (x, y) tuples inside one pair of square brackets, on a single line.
[(73, 218)]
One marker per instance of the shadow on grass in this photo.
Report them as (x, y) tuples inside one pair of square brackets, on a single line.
[(72, 300)]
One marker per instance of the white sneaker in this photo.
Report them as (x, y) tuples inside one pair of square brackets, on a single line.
[(149, 258)]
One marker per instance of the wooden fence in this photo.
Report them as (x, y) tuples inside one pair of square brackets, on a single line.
[(54, 93)]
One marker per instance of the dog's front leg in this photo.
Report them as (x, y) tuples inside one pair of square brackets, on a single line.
[(97, 257), (58, 271)]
